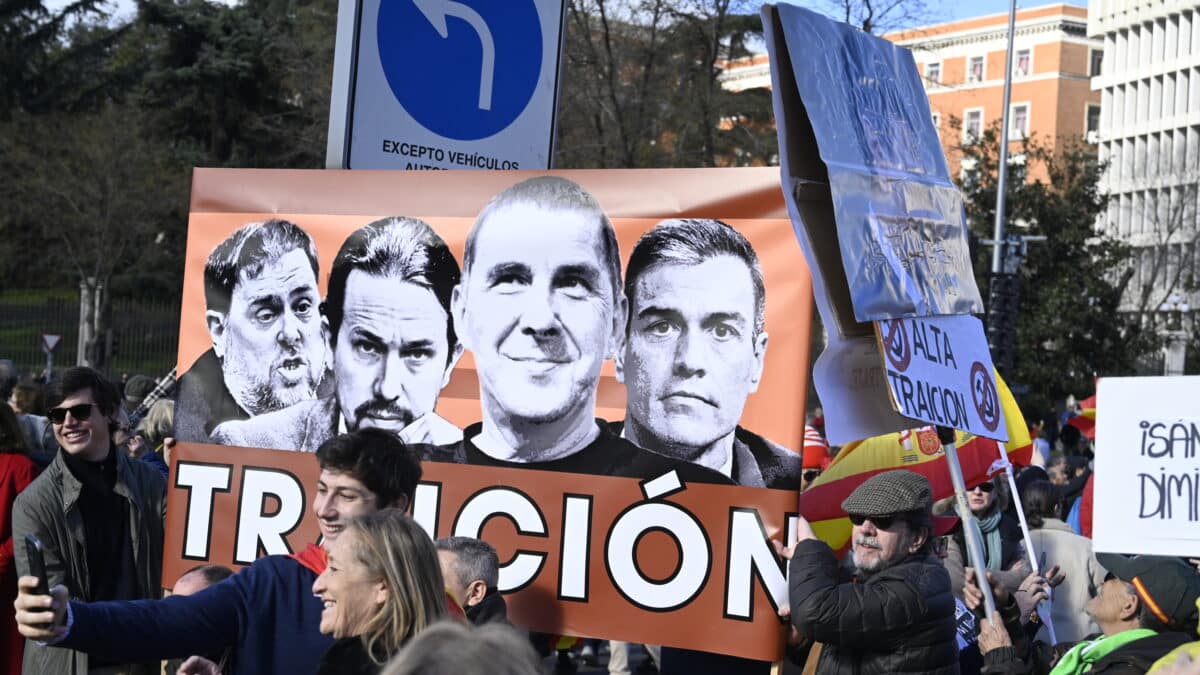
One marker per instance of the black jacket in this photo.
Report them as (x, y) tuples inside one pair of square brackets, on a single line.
[(1136, 657), (348, 656), (491, 608), (898, 620)]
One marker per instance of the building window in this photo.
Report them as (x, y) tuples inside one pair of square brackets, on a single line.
[(975, 69), (1092, 126), (1023, 66), (933, 73), (972, 125), (1018, 121), (1097, 57)]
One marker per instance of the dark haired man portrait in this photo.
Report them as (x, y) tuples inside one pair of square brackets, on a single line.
[(695, 350), (268, 347), (392, 340), (541, 308)]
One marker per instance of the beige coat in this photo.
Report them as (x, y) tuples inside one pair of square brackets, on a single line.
[(1057, 544)]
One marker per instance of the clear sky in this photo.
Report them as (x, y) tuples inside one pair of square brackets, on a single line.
[(965, 9)]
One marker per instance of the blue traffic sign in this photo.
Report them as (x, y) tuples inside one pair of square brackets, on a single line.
[(464, 69)]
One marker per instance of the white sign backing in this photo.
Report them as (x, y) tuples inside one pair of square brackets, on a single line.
[(445, 84), (1147, 492), (939, 370)]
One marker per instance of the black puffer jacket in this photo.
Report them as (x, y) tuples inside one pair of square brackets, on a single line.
[(899, 620)]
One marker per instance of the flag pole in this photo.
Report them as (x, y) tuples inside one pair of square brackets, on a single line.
[(970, 526), (1044, 606)]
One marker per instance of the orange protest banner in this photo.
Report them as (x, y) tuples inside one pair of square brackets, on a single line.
[(604, 374)]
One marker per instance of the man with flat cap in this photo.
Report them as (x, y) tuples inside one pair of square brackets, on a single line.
[(897, 614)]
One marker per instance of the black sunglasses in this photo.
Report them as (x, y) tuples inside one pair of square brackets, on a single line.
[(79, 411), (986, 487), (880, 522)]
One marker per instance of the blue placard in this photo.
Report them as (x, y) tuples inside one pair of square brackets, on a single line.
[(463, 69)]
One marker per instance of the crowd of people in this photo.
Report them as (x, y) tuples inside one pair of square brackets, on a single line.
[(355, 377), (379, 595)]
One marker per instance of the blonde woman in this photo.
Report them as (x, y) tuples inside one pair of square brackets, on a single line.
[(383, 585)]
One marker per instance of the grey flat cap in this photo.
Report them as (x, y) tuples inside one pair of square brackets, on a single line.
[(892, 492)]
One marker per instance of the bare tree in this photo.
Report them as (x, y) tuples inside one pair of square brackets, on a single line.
[(1165, 249), (883, 16)]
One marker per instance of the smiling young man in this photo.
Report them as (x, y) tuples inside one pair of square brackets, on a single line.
[(392, 340), (97, 512), (266, 612)]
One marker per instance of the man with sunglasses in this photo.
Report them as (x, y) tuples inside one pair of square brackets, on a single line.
[(896, 615), (98, 513)]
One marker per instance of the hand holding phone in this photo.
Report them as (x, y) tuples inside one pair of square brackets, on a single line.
[(37, 563)]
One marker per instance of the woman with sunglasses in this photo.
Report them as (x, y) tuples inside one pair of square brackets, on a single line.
[(1003, 549), (382, 586), (16, 473)]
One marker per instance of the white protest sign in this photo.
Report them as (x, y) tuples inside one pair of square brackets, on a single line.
[(1147, 491), (939, 370)]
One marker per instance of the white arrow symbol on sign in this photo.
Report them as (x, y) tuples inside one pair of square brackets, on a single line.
[(436, 12)]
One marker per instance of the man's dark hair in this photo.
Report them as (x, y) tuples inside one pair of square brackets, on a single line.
[(375, 458), (554, 193), (404, 248), (244, 254), (76, 379), (476, 559), (213, 574), (691, 241)]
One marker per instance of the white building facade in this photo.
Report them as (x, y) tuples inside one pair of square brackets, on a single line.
[(1150, 136)]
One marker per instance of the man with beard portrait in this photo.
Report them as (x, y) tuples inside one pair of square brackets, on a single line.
[(268, 345), (392, 340)]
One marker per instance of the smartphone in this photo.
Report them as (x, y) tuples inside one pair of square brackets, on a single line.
[(37, 563)]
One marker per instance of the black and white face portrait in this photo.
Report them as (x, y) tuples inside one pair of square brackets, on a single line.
[(393, 345), (695, 347), (538, 307), (391, 357), (270, 339)]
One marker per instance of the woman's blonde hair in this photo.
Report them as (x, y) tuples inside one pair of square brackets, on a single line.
[(395, 549)]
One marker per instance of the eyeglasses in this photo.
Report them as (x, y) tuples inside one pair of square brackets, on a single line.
[(983, 487), (79, 411), (880, 522), (810, 475)]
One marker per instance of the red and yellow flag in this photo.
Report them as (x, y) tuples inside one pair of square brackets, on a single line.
[(1085, 421), (916, 450)]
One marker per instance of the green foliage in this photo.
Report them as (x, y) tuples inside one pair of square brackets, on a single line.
[(1068, 327)]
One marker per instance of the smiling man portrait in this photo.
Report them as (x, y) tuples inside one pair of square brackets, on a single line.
[(541, 308)]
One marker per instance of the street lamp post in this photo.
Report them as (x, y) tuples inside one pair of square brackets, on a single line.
[(1175, 349)]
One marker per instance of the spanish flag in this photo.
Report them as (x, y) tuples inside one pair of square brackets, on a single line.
[(916, 450), (1085, 421)]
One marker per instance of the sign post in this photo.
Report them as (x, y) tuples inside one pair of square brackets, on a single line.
[(49, 342), (445, 84)]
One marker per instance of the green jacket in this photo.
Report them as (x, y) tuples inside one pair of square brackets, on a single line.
[(48, 509)]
